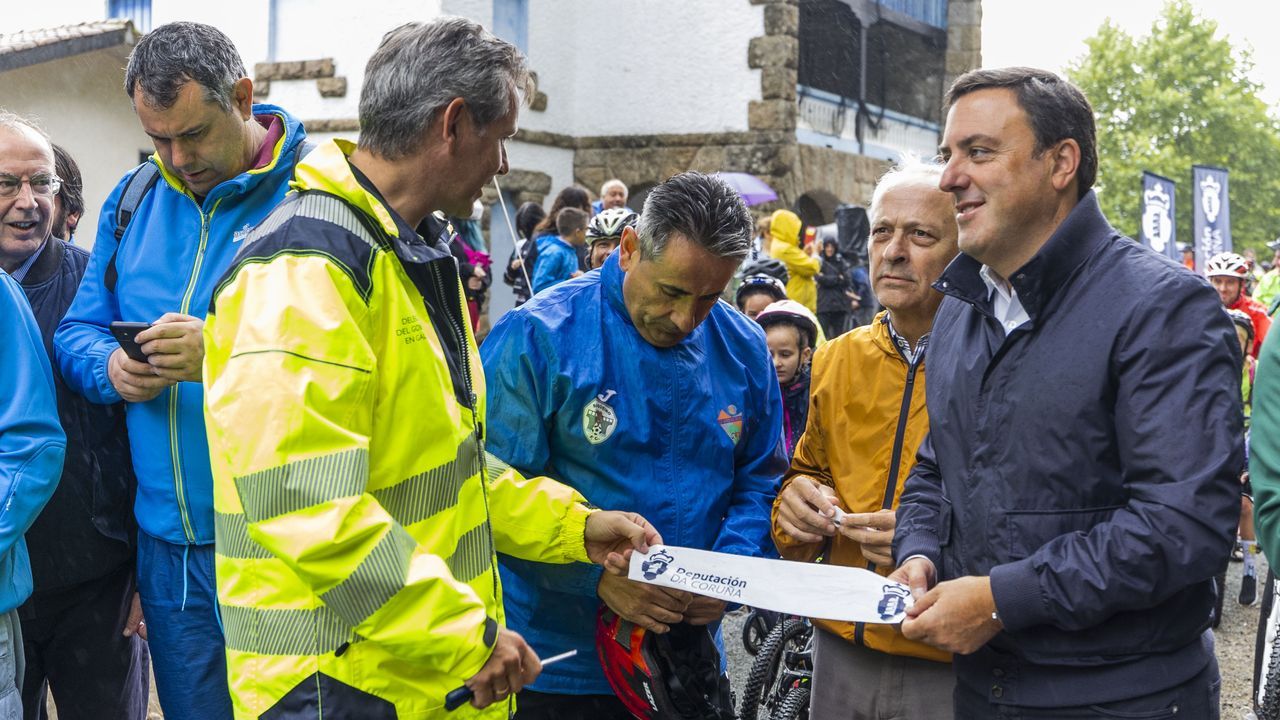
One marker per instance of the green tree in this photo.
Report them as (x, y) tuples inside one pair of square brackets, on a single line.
[(1176, 98)]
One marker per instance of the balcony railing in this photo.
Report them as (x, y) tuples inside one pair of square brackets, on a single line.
[(828, 120), (929, 12)]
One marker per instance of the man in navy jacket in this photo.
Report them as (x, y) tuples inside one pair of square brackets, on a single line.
[(1071, 529)]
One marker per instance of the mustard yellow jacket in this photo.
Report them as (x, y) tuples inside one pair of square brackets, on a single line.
[(357, 513), (867, 418)]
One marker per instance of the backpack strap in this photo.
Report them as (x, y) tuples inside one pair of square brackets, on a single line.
[(136, 189)]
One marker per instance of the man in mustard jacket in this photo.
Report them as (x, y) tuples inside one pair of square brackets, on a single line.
[(357, 512), (867, 417)]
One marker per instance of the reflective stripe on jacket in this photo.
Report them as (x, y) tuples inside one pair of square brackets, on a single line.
[(357, 517), (867, 418), (171, 257)]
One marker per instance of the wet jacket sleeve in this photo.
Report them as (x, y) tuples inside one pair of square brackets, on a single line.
[(291, 390), (810, 459), (32, 444), (1264, 449), (799, 263), (761, 461), (83, 341), (921, 515), (516, 363), (555, 264), (1176, 367)]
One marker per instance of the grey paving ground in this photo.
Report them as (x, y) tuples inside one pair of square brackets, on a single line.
[(1235, 640)]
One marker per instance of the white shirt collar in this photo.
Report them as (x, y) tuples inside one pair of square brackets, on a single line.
[(1005, 304)]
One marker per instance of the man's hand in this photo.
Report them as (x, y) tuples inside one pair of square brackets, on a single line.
[(649, 606), (135, 381), (704, 610), (611, 535), (806, 509), (174, 346), (957, 616), (874, 532), (512, 665), (918, 574), (136, 624)]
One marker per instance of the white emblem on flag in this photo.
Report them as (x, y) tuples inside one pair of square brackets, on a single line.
[(1156, 223), (1210, 198)]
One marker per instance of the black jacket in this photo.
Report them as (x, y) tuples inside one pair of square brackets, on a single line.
[(833, 285), (1087, 463), (87, 529)]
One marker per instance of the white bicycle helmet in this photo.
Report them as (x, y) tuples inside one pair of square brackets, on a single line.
[(610, 223), (1227, 264)]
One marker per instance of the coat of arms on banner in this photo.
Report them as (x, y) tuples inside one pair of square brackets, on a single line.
[(894, 602), (731, 422), (599, 419), (1156, 223), (1210, 198)]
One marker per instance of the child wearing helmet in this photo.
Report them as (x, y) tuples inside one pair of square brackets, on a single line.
[(791, 332), (605, 232)]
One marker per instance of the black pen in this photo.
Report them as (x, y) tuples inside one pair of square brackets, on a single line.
[(456, 698)]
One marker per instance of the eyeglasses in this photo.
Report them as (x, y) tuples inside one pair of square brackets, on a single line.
[(40, 185)]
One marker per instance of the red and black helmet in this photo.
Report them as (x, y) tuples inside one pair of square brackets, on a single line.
[(672, 676)]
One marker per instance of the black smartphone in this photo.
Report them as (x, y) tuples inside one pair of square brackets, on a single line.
[(126, 333)]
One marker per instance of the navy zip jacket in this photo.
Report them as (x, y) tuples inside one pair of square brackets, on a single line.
[(1088, 463), (87, 529)]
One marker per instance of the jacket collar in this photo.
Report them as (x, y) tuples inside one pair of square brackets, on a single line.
[(327, 169), (47, 265), (611, 280), (248, 180), (1084, 230)]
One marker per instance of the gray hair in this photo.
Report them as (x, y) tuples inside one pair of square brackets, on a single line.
[(909, 171), (176, 53), (614, 182), (419, 68), (702, 208), (17, 123)]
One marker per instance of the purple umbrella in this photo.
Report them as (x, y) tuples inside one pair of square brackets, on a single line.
[(752, 189)]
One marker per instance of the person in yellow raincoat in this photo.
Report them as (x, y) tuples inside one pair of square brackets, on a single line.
[(802, 265)]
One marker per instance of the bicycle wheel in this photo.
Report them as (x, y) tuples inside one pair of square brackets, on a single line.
[(764, 670), (795, 705), (754, 631)]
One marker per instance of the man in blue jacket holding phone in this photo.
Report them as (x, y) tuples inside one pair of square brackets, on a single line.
[(221, 164)]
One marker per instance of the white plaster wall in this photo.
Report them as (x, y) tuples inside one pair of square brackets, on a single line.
[(554, 161), (80, 102), (39, 15), (658, 66)]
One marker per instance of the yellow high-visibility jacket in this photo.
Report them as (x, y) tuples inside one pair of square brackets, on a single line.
[(357, 513)]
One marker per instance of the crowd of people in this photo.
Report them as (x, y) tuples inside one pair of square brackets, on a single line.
[(253, 445)]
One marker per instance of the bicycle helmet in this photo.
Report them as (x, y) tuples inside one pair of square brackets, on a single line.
[(672, 676), (1227, 264), (768, 284), (610, 223), (765, 266), (1242, 320), (790, 311)]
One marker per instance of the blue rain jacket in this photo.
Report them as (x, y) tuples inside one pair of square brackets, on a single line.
[(171, 258), (557, 261), (687, 436), (32, 443)]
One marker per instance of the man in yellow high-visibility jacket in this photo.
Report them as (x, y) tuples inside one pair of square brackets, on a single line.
[(357, 511)]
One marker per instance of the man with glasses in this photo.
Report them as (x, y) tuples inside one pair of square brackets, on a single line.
[(221, 163), (80, 547)]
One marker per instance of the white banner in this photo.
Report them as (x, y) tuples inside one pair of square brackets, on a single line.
[(806, 589)]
